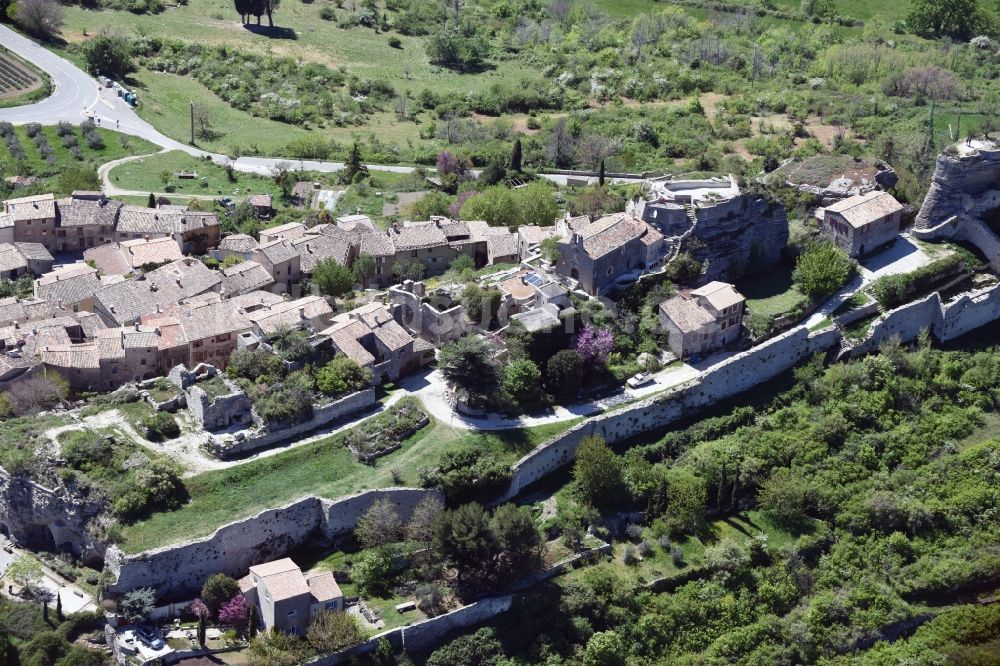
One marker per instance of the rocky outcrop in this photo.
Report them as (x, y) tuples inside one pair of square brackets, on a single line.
[(41, 518), (966, 184), (745, 234), (831, 178)]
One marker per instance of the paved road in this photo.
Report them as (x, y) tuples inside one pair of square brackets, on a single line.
[(77, 96)]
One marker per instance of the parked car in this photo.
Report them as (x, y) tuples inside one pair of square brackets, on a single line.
[(149, 636), (640, 379)]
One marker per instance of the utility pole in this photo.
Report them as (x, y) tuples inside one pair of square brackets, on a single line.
[(192, 122)]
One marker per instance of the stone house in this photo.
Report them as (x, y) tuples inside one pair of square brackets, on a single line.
[(211, 332), (530, 237), (862, 223), (124, 303), (34, 219), (288, 232), (379, 245), (114, 357), (423, 242), (235, 245), (600, 253), (72, 287), (332, 243), (282, 262), (6, 227), (194, 231), (375, 340), (310, 313), (18, 259), (85, 220), (703, 320), (262, 205), (244, 278), (129, 256), (287, 599)]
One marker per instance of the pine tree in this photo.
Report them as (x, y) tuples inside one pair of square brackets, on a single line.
[(515, 156), (354, 165), (59, 612), (201, 630), (151, 202)]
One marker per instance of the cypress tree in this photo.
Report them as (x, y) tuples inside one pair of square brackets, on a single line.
[(151, 202), (515, 156), (59, 613), (252, 621), (201, 630), (600, 175)]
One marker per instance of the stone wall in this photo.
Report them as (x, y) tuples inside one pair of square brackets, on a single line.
[(905, 321), (730, 377), (178, 570), (222, 411), (228, 446)]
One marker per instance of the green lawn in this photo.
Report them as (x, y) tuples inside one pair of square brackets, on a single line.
[(772, 293), (144, 175), (322, 468)]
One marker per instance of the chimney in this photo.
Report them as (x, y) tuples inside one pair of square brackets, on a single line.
[(302, 313), (152, 286), (178, 281), (159, 308), (137, 325)]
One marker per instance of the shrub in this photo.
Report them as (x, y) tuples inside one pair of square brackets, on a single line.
[(371, 570), (341, 376), (629, 555), (822, 269), (160, 426), (395, 43), (633, 532), (892, 290), (645, 548), (676, 555)]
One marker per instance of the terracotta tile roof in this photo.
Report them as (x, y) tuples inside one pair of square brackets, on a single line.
[(275, 567), (610, 233), (282, 579), (377, 318), (127, 256), (245, 277), (208, 321), (140, 220), (345, 336), (77, 357), (288, 231), (255, 300), (287, 314), (75, 212), (260, 200), (69, 286), (314, 249), (11, 259), (378, 244), (417, 236), (533, 234), (238, 243), (352, 222), (686, 313), (720, 294), (38, 207), (866, 208), (501, 246), (167, 285), (171, 334), (276, 252), (323, 587), (34, 251), (12, 309)]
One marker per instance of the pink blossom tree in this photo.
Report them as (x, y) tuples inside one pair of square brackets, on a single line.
[(447, 164), (199, 609), (594, 344), (234, 612)]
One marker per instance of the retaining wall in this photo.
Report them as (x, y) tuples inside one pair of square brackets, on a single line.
[(322, 416), (181, 569), (728, 378)]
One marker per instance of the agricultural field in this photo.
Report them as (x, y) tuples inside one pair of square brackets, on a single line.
[(20, 82)]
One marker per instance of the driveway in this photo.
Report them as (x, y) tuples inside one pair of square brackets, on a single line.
[(903, 256), (73, 597)]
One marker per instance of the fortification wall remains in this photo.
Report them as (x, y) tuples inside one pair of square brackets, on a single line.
[(228, 447), (181, 569)]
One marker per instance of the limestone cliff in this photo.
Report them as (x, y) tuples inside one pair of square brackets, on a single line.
[(41, 518), (966, 184), (744, 234)]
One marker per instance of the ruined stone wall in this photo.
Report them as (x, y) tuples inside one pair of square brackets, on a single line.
[(905, 321), (969, 312), (226, 448), (180, 569)]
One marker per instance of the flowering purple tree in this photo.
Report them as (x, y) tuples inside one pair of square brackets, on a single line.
[(234, 612), (199, 609), (454, 208), (594, 344), (448, 164)]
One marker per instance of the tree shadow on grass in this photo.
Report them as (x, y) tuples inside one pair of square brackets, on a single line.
[(272, 32)]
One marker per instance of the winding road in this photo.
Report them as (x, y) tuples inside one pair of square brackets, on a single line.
[(77, 95)]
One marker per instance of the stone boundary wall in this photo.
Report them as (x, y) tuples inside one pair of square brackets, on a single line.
[(180, 569), (728, 378), (322, 416), (856, 314)]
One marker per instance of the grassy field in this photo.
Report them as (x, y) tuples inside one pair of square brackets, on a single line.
[(144, 175), (323, 468), (772, 293)]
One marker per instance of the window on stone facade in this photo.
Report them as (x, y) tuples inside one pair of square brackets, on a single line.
[(723, 326), (732, 321), (610, 269)]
